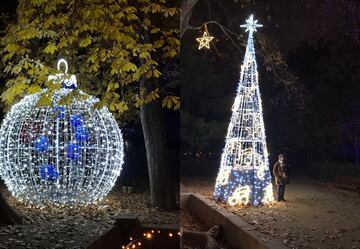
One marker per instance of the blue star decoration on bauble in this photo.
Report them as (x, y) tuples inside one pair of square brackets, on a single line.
[(48, 172), (41, 144), (82, 134), (76, 120), (73, 151)]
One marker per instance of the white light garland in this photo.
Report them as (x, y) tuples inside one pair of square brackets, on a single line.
[(60, 154), (244, 175)]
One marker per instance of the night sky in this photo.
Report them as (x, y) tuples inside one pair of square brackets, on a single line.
[(289, 23), (313, 115)]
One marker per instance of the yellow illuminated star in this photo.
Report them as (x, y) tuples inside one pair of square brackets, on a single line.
[(204, 41)]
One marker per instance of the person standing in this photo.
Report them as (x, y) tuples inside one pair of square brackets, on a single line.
[(281, 175)]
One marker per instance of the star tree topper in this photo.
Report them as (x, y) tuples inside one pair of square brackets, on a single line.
[(205, 40), (251, 24)]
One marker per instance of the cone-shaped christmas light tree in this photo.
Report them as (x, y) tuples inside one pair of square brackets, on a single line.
[(244, 176)]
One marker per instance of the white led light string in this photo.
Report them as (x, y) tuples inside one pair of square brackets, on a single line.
[(56, 173), (99, 183)]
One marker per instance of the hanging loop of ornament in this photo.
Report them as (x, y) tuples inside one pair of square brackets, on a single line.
[(65, 63), (206, 29)]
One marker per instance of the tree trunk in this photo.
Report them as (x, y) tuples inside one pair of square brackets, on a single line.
[(161, 179), (7, 214)]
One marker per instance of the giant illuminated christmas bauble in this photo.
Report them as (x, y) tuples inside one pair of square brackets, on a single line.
[(62, 154)]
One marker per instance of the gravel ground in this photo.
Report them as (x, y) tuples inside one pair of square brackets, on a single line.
[(314, 216), (54, 227)]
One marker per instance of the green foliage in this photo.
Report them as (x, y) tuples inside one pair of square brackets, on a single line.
[(104, 44), (207, 96), (201, 135)]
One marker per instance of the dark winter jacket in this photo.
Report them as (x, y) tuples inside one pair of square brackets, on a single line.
[(280, 173)]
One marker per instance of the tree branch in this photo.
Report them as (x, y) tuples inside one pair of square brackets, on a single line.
[(187, 7)]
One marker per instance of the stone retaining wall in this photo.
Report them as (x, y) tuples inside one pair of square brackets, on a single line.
[(237, 232)]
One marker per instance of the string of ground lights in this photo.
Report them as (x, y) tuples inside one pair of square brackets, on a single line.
[(244, 176), (62, 154), (139, 242)]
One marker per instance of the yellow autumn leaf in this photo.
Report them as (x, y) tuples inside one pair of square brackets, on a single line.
[(11, 47), (159, 43), (147, 22), (131, 17), (156, 73), (85, 42), (171, 102), (144, 55), (155, 30), (34, 89), (139, 102), (177, 106), (170, 53), (122, 106), (27, 34), (7, 57), (127, 67), (50, 48), (112, 107), (92, 58)]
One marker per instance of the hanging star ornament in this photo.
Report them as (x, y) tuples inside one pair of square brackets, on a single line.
[(204, 41), (251, 24)]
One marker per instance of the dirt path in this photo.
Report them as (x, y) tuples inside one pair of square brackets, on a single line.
[(314, 215)]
